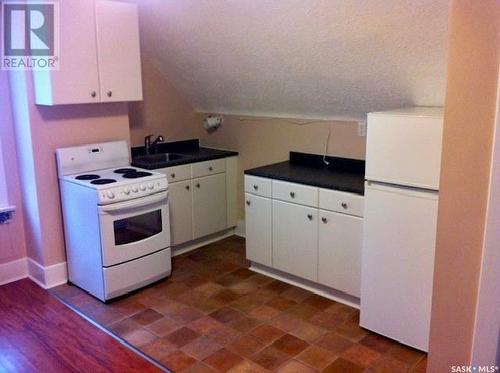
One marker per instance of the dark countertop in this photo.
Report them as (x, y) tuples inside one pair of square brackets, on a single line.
[(189, 148), (342, 174)]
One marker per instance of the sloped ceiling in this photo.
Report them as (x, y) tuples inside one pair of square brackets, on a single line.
[(299, 58)]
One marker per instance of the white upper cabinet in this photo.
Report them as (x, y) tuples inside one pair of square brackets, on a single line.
[(119, 53), (100, 57), (77, 80)]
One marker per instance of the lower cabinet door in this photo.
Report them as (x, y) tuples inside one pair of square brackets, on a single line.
[(181, 211), (209, 205), (340, 242), (258, 229), (295, 239)]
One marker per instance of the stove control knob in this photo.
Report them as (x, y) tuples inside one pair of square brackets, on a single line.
[(110, 194), (126, 191), (143, 187), (134, 189), (151, 186)]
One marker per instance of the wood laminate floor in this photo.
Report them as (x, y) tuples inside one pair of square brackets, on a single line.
[(40, 334)]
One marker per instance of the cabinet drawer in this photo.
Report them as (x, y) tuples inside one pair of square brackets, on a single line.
[(295, 193), (347, 203), (258, 185), (178, 173), (208, 167)]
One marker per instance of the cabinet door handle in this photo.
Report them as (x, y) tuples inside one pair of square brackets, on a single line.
[(292, 194), (198, 186), (248, 203), (210, 168), (172, 175), (93, 94), (109, 93), (324, 220), (309, 216), (256, 187), (344, 205), (187, 187)]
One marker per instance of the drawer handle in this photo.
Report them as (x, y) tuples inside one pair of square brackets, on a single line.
[(344, 205), (172, 175), (93, 94), (210, 168), (324, 220), (110, 93), (187, 187), (309, 216), (256, 187), (292, 194), (198, 186), (248, 203)]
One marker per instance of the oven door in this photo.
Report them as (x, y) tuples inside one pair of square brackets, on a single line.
[(132, 229)]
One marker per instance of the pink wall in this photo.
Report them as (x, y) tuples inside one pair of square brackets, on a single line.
[(162, 112), (12, 241), (469, 125), (39, 132)]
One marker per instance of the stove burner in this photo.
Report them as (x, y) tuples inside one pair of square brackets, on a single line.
[(87, 177), (136, 174), (124, 170), (103, 181)]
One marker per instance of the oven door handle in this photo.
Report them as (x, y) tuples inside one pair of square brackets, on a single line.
[(140, 202)]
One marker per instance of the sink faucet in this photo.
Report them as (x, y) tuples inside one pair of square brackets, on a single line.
[(151, 146)]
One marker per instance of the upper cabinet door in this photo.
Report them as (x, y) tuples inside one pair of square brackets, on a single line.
[(77, 80), (119, 51)]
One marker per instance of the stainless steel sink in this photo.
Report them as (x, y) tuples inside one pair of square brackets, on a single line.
[(157, 159), (163, 157)]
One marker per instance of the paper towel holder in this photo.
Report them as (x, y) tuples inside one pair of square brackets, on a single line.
[(212, 122)]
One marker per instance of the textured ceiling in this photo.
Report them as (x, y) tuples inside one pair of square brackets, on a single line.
[(299, 58)]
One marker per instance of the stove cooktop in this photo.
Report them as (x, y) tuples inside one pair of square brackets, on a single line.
[(103, 181), (136, 174), (117, 176), (124, 170), (87, 177)]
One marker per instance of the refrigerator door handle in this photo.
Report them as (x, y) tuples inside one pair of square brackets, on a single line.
[(405, 190)]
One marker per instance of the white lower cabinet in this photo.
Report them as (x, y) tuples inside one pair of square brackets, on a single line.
[(300, 230), (181, 211), (200, 206), (295, 239), (209, 205), (258, 215), (339, 251)]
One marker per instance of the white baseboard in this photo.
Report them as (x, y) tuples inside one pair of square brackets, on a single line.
[(13, 271), (47, 277), (314, 287), (240, 228)]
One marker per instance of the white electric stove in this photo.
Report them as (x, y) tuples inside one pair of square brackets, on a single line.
[(116, 220)]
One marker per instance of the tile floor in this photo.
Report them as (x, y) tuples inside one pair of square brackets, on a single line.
[(215, 315)]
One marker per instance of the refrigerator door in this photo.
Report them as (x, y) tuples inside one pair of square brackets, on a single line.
[(398, 262), (404, 149)]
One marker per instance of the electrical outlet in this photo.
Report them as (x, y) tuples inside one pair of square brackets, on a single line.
[(362, 128)]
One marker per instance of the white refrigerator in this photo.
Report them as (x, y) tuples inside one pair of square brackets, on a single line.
[(403, 159)]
